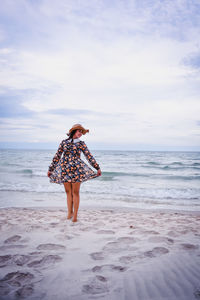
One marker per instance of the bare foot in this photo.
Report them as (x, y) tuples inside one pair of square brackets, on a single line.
[(70, 216), (74, 220)]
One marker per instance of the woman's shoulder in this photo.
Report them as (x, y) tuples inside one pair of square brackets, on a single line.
[(82, 142)]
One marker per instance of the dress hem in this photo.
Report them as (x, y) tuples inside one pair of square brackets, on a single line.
[(62, 182)]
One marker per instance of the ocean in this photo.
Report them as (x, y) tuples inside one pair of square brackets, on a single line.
[(136, 179)]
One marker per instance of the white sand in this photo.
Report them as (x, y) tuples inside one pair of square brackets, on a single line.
[(107, 254)]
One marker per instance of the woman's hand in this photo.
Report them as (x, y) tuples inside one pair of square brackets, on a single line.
[(48, 173), (99, 172)]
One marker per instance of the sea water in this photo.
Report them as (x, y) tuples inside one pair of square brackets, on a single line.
[(137, 179)]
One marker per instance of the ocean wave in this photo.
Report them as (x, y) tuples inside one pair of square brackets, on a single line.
[(167, 167), (113, 176), (153, 163), (183, 177), (139, 194), (121, 174), (33, 173), (29, 190), (5, 163), (25, 171), (159, 176)]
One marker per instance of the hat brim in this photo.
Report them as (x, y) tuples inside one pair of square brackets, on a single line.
[(83, 129)]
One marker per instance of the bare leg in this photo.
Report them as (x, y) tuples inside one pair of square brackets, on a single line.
[(75, 192), (68, 190)]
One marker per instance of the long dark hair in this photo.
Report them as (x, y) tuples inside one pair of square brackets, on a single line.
[(71, 134)]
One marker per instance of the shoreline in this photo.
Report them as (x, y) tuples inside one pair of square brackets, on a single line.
[(108, 208)]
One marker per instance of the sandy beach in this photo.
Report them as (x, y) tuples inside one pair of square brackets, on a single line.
[(108, 254)]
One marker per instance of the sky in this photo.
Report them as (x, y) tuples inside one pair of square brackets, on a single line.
[(129, 71)]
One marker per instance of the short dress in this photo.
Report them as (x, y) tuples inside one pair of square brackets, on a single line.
[(71, 168)]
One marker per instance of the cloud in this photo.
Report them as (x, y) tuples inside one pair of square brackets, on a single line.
[(198, 122), (192, 60), (125, 67), (11, 105), (69, 112)]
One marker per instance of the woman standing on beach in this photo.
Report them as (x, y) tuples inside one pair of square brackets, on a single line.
[(71, 170)]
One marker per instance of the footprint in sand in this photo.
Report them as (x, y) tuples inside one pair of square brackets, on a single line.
[(25, 291), (50, 246), (17, 259), (173, 233), (16, 280), (12, 239), (4, 260), (114, 247), (157, 251), (32, 228), (151, 232), (54, 224), (45, 261), (109, 267), (98, 285), (20, 260), (20, 277), (63, 237), (101, 278), (189, 246), (197, 293), (126, 259), (36, 253), (10, 247), (122, 243), (97, 255), (127, 239), (88, 228), (105, 232), (160, 239)]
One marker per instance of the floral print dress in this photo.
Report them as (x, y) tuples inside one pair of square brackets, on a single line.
[(71, 168)]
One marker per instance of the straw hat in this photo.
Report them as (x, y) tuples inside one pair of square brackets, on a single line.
[(78, 126)]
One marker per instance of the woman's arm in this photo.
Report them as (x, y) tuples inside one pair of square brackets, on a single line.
[(56, 157), (89, 156)]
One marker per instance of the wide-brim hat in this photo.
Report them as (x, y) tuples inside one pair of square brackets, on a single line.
[(78, 126)]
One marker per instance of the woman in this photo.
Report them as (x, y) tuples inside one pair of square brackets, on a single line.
[(71, 170)]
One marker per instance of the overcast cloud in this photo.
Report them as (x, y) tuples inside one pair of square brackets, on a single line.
[(127, 70)]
